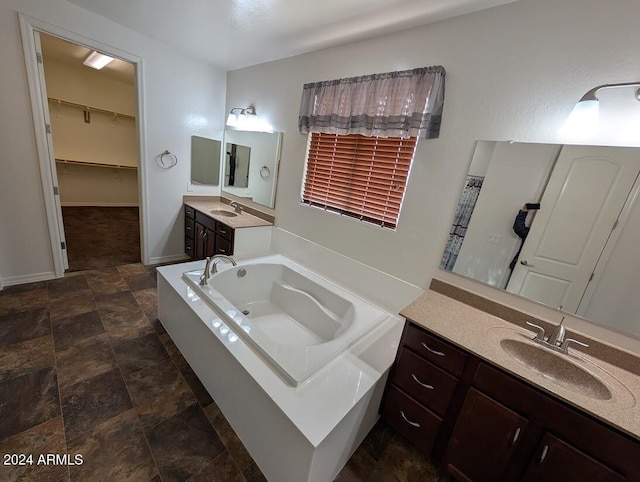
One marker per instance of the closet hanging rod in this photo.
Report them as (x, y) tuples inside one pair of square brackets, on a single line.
[(94, 164), (91, 109)]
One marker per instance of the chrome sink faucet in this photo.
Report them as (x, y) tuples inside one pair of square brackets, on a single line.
[(211, 267), (558, 338), (556, 342), (236, 207)]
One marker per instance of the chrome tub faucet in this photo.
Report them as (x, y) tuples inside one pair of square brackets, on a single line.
[(211, 267)]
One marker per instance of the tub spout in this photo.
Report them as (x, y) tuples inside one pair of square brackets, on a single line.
[(216, 260)]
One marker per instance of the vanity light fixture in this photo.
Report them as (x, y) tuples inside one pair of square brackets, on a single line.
[(240, 117), (96, 60), (584, 115)]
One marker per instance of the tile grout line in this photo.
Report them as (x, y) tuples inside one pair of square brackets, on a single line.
[(109, 338), (55, 361)]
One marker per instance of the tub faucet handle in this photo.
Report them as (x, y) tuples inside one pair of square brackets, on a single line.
[(204, 278)]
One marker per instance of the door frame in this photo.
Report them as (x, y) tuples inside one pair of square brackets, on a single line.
[(28, 27), (607, 251)]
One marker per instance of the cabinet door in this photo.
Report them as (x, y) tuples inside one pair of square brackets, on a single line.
[(484, 439), (199, 241), (209, 242), (557, 461), (204, 242)]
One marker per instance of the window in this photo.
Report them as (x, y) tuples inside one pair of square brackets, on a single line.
[(358, 176)]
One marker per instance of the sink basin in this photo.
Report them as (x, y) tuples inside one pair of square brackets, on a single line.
[(223, 212), (556, 368)]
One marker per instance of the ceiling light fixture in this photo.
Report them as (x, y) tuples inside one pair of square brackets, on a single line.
[(584, 116), (241, 117), (96, 60)]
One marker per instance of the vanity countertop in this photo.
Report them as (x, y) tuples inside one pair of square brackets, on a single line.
[(479, 333), (244, 220)]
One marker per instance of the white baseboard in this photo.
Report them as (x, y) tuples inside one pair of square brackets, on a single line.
[(168, 259), (27, 278), (99, 205)]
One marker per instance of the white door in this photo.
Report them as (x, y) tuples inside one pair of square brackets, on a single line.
[(52, 160), (578, 210)]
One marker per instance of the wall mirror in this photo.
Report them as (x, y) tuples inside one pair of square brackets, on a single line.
[(250, 165), (577, 251), (205, 161)]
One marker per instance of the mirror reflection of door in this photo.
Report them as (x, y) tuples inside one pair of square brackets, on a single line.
[(237, 165), (571, 229)]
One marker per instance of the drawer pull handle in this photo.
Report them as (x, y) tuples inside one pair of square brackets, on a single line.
[(435, 352), (544, 454), (430, 387), (222, 231), (516, 436), (413, 424)]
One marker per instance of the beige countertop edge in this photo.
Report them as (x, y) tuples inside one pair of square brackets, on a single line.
[(244, 220), (468, 328)]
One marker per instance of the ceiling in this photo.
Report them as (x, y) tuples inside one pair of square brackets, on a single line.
[(54, 48), (237, 33)]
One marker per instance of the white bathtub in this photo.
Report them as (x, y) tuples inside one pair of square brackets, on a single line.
[(296, 320)]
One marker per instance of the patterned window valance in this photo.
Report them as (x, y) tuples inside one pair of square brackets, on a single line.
[(394, 104)]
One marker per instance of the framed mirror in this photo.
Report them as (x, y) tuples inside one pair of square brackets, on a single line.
[(205, 161), (250, 165), (557, 224)]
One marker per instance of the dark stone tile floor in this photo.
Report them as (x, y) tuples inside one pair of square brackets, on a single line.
[(117, 228), (86, 368)]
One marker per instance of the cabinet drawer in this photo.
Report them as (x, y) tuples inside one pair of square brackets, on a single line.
[(206, 221), (189, 227), (425, 382), (223, 246), (411, 420), (188, 246), (437, 351), (189, 212), (224, 231)]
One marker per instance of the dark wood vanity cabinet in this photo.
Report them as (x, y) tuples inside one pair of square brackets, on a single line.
[(554, 459), (205, 236), (483, 424), (421, 389), (484, 440)]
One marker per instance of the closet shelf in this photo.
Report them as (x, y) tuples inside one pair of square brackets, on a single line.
[(90, 109), (94, 164)]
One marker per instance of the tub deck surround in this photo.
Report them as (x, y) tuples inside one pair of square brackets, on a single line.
[(295, 319), (297, 433), (480, 333), (247, 219)]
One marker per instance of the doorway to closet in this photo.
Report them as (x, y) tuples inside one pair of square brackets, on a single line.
[(93, 127)]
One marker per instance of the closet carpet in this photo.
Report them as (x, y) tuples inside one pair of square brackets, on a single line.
[(99, 237)]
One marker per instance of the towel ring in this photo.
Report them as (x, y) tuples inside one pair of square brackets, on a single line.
[(168, 163), (265, 172)]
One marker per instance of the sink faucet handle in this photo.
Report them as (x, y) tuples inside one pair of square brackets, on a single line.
[(565, 344), (540, 335)]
